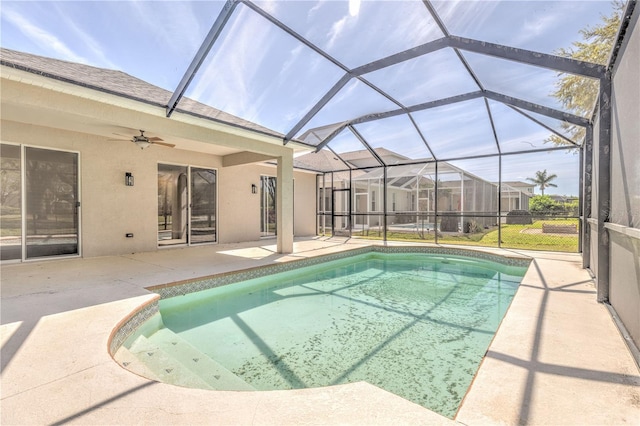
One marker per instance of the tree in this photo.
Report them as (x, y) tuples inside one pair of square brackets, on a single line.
[(579, 94), (543, 180)]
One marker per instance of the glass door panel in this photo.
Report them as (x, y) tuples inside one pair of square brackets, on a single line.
[(10, 199), (361, 210), (267, 206), (342, 212), (51, 179), (203, 206), (172, 204)]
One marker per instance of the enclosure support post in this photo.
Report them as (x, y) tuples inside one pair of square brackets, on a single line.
[(604, 187), (580, 194), (384, 204), (333, 209), (319, 208), (435, 206), (350, 205), (585, 200), (500, 200), (462, 218)]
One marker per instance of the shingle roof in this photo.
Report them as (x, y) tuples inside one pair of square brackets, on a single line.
[(364, 153), (120, 84), (517, 183), (323, 160)]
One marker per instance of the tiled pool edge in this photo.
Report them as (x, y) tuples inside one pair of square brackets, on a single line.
[(131, 323), (204, 283)]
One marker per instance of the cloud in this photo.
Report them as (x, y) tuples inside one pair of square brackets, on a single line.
[(540, 25), (294, 55), (269, 6), (314, 9), (177, 26), (336, 31), (464, 17), (87, 40), (233, 65), (42, 38)]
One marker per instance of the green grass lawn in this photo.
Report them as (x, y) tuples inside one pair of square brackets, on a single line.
[(513, 236)]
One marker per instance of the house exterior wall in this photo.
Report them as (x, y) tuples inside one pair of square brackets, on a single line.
[(304, 199), (109, 209)]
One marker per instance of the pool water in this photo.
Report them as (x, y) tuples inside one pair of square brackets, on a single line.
[(416, 325)]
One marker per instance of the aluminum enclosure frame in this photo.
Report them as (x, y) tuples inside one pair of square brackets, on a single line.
[(459, 45)]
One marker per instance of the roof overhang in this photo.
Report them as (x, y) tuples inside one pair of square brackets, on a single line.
[(38, 100)]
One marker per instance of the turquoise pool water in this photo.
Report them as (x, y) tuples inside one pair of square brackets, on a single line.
[(415, 325)]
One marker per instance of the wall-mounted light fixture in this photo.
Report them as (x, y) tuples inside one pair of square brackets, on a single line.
[(254, 188), (128, 179)]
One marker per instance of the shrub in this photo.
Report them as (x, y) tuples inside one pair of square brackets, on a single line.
[(519, 217)]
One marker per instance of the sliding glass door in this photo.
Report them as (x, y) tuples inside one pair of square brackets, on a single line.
[(172, 204), (203, 205), (40, 206), (267, 206), (11, 202), (187, 203)]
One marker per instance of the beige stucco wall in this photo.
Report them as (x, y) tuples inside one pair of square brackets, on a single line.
[(109, 209), (239, 209)]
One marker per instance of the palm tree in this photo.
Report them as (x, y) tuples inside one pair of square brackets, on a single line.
[(543, 180)]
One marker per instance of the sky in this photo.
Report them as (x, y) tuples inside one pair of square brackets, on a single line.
[(258, 72)]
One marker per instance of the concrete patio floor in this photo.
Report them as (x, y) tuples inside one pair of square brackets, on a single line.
[(557, 357)]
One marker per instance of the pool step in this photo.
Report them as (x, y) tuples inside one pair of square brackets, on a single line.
[(214, 373), (131, 362), (211, 372), (165, 367)]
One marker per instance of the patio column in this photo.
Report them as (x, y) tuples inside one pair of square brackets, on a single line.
[(284, 203)]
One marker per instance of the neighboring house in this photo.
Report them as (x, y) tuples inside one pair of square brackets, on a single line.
[(411, 190), (515, 195)]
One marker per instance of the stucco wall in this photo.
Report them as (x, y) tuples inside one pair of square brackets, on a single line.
[(240, 209), (109, 209), (624, 234)]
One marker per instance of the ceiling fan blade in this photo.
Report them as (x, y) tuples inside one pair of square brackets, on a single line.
[(155, 139), (170, 145), (119, 140)]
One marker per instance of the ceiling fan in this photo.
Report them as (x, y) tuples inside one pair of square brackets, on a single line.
[(144, 141)]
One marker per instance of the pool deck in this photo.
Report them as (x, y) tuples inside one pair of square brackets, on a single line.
[(557, 357)]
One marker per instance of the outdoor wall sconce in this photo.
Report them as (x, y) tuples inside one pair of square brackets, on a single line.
[(254, 188), (128, 179)]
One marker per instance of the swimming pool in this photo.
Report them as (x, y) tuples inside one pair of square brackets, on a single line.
[(414, 324)]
